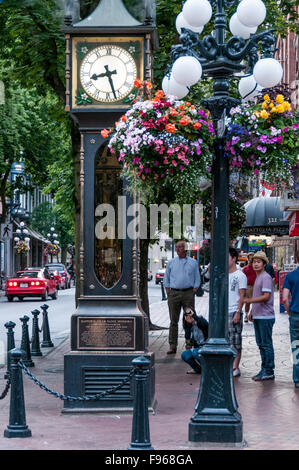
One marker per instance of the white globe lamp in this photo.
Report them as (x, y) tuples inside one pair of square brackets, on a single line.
[(182, 23), (248, 88), (238, 29), (197, 12), (267, 72), (171, 87), (251, 13), (186, 70)]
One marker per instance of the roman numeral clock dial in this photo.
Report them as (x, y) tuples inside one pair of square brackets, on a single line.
[(107, 73)]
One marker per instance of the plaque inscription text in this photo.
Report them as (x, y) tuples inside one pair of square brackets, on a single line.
[(101, 333)]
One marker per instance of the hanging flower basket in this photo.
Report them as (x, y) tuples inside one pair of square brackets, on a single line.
[(52, 249), (22, 247), (162, 142), (262, 138)]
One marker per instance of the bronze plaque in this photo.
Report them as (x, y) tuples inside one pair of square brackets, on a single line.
[(106, 333)]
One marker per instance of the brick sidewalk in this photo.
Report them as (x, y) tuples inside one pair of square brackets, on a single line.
[(269, 410)]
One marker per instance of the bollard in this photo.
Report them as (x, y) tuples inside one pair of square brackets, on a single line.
[(10, 343), (25, 343), (35, 347), (46, 343), (140, 423), (163, 291), (17, 418)]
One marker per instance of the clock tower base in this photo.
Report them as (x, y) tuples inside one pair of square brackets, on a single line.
[(106, 336), (92, 373)]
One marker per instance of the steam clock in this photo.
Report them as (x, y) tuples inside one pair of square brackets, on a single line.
[(106, 52)]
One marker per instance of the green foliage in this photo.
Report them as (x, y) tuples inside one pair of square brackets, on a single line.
[(46, 216)]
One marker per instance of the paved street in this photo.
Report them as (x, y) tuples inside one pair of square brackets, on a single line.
[(59, 314), (269, 410)]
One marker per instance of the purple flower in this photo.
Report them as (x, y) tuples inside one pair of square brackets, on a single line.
[(262, 149), (286, 129), (295, 126), (235, 140), (264, 139)]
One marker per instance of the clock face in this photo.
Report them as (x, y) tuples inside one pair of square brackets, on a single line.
[(107, 73)]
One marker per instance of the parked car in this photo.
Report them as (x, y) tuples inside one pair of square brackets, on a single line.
[(60, 280), (149, 275), (32, 282), (159, 276), (62, 271)]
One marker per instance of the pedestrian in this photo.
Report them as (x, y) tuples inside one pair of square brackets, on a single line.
[(196, 331), (263, 316), (181, 281), (236, 294), (291, 287), (270, 270), (251, 276)]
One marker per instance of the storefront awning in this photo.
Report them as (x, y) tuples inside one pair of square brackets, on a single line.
[(263, 217)]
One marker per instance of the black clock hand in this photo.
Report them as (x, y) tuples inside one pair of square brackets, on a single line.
[(95, 76), (108, 75)]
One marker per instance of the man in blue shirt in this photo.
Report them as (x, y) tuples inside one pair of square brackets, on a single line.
[(181, 281), (291, 287)]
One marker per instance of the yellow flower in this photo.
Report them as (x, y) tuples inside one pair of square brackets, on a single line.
[(271, 104), (264, 105), (264, 114), (267, 97), (280, 108), (280, 98), (286, 105), (274, 109)]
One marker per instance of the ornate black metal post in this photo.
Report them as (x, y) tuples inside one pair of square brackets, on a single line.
[(216, 418), (35, 345), (163, 291), (140, 425), (17, 417), (25, 343), (10, 343), (46, 343)]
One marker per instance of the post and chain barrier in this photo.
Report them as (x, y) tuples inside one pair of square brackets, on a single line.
[(6, 389), (95, 397), (19, 360)]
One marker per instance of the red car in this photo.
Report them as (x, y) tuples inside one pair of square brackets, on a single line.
[(34, 282), (159, 276), (60, 280)]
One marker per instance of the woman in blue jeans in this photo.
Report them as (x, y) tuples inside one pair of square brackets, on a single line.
[(196, 332)]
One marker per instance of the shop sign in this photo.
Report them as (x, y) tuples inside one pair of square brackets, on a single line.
[(289, 201)]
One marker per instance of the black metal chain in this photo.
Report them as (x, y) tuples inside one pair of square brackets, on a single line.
[(7, 387), (98, 396)]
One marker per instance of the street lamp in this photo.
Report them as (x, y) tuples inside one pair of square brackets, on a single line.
[(216, 418), (52, 238), (22, 239)]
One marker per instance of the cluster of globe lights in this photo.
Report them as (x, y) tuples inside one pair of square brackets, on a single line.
[(187, 70), (54, 235), (21, 231)]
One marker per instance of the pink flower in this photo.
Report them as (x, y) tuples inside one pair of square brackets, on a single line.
[(174, 163)]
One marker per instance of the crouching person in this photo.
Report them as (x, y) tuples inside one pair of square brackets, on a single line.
[(196, 332)]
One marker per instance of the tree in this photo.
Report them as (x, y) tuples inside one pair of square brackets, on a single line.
[(30, 30), (46, 216)]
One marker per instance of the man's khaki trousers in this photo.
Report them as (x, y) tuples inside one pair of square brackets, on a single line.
[(177, 300)]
